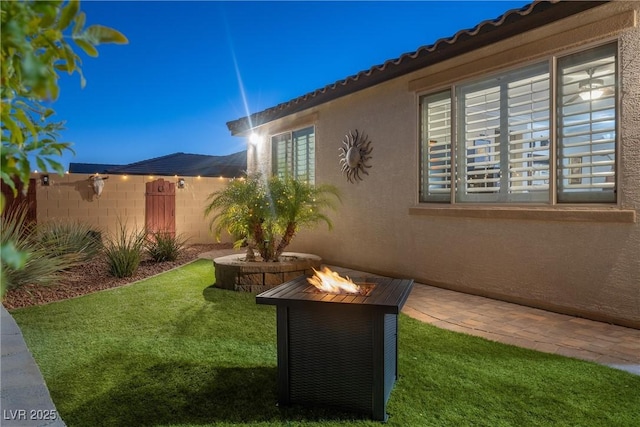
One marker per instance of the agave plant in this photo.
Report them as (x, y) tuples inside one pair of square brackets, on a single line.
[(63, 236), (266, 213)]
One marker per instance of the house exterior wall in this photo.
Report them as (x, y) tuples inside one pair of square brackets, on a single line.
[(580, 260), (123, 198)]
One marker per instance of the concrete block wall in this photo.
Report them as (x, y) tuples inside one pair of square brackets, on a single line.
[(71, 196)]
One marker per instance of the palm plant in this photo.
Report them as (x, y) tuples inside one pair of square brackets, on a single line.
[(266, 214)]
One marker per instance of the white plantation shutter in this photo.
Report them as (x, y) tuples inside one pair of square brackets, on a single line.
[(304, 159), (587, 126), (504, 137), (480, 145), (282, 154), (436, 147), (529, 140), (293, 154)]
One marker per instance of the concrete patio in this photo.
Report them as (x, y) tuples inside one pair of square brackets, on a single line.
[(611, 345)]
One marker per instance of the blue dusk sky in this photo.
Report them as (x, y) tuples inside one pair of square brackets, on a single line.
[(190, 67)]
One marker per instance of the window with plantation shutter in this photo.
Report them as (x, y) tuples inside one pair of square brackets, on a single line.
[(587, 126), (293, 154), (436, 147), (502, 143), (282, 154), (528, 121), (504, 137), (304, 158), (479, 147)]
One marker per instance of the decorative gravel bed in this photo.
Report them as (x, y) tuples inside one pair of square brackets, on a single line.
[(94, 276)]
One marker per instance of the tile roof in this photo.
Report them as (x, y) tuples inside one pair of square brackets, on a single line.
[(512, 22), (181, 164), (91, 168)]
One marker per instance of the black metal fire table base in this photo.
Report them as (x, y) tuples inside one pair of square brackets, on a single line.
[(338, 350)]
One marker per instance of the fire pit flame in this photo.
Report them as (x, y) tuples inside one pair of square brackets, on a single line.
[(331, 282)]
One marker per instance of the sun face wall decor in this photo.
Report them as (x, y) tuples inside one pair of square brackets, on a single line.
[(354, 155)]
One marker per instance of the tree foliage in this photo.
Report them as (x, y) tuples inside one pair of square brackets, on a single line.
[(36, 46), (266, 214), (38, 40)]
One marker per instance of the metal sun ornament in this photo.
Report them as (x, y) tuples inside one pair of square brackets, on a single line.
[(354, 155)]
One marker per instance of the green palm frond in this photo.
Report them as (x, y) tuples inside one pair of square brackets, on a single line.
[(269, 212)]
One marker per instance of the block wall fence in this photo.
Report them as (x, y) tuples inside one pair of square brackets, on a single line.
[(71, 197)]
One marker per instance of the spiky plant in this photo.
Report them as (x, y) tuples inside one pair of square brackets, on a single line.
[(41, 267), (164, 246), (268, 213), (62, 236), (124, 250)]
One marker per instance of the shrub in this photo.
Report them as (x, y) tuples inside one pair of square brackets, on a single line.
[(62, 237), (267, 213), (124, 251), (41, 266), (164, 246)]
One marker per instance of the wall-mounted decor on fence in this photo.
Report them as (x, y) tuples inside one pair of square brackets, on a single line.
[(97, 183)]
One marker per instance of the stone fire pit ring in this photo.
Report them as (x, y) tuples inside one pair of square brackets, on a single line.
[(234, 273)]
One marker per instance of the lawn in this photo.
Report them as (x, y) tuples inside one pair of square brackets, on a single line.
[(171, 350)]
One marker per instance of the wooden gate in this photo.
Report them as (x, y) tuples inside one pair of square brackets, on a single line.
[(160, 204), (14, 203)]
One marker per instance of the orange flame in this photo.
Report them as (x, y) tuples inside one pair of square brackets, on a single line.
[(331, 282)]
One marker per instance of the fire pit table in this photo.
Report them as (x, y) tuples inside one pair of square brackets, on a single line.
[(338, 350)]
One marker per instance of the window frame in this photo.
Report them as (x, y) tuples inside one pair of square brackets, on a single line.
[(597, 52), (424, 183), (291, 153), (498, 144)]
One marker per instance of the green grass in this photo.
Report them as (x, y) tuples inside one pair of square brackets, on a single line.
[(170, 350)]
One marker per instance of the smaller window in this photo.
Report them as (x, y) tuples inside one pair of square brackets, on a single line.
[(587, 126), (282, 154), (293, 154), (435, 147)]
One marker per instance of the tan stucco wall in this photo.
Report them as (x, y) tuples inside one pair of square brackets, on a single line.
[(123, 198), (581, 260)]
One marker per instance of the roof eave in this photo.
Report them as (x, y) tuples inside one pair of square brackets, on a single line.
[(511, 23)]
